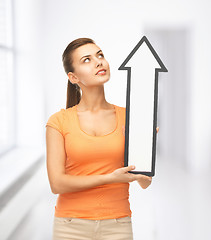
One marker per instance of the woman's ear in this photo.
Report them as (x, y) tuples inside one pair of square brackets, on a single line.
[(72, 77)]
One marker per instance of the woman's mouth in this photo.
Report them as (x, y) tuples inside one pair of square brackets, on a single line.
[(101, 72)]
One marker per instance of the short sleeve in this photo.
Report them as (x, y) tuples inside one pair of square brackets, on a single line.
[(56, 120)]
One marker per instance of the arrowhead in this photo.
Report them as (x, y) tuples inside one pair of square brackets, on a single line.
[(143, 52)]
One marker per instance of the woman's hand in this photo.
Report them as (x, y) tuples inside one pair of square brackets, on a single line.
[(122, 175), (144, 181)]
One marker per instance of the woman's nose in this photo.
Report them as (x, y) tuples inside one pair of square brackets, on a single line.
[(98, 62)]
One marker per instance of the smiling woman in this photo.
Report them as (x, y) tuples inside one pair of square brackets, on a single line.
[(85, 153)]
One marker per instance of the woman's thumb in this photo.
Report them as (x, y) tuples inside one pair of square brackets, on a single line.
[(129, 168)]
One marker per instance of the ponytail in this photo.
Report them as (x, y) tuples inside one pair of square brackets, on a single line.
[(73, 94)]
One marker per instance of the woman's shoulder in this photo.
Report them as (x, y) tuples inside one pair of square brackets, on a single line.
[(121, 111), (60, 114), (62, 111), (58, 119), (120, 108)]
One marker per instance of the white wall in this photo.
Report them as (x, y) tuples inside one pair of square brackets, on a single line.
[(29, 118), (44, 28), (116, 27), (28, 39)]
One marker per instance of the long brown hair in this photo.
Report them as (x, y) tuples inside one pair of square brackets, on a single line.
[(73, 90)]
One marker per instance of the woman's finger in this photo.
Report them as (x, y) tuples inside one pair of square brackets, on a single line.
[(128, 168)]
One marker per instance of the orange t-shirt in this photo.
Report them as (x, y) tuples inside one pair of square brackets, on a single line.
[(92, 155)]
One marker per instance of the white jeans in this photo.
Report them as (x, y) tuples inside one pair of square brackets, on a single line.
[(86, 229)]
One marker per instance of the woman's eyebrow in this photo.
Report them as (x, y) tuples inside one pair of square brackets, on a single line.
[(90, 55)]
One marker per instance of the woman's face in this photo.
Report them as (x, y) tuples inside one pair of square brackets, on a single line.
[(90, 66)]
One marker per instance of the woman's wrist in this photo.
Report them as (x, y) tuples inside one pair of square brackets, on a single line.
[(107, 178)]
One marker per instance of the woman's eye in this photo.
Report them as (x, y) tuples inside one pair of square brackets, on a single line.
[(101, 55), (86, 60)]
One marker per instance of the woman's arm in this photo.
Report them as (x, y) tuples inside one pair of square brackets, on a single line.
[(63, 183)]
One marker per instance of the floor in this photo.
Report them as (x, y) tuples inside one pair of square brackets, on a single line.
[(175, 207)]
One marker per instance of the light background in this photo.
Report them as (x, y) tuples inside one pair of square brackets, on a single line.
[(177, 204)]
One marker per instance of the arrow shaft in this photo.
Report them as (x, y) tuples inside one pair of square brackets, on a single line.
[(142, 88)]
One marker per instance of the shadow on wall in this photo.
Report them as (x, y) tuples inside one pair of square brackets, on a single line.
[(173, 94)]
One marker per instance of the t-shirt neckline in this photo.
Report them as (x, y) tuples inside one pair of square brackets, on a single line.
[(108, 134)]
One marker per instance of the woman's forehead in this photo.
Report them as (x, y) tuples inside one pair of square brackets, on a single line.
[(87, 49)]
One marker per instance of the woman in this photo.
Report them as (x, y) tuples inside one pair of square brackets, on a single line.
[(85, 153)]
